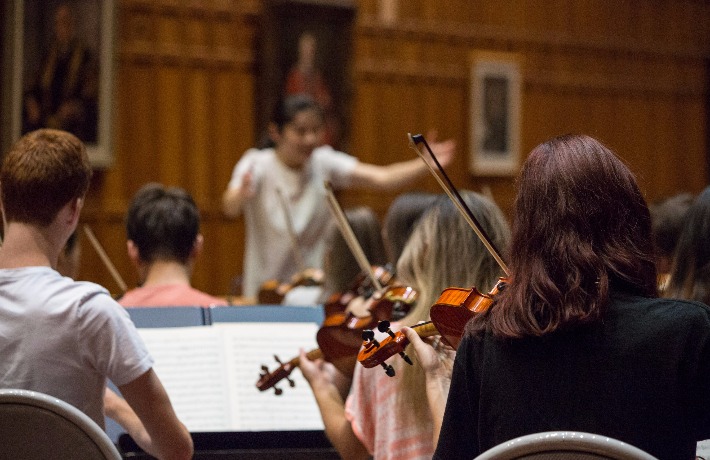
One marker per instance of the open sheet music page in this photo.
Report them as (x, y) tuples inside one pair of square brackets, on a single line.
[(210, 373)]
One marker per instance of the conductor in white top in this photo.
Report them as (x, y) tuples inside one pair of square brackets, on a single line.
[(297, 165)]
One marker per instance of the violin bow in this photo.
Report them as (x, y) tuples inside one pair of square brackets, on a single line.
[(443, 179), (300, 261), (349, 236), (104, 258)]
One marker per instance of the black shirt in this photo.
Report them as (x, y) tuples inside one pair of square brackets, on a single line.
[(641, 375)]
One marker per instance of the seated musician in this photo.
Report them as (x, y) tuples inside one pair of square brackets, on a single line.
[(340, 268), (578, 340), (667, 219), (164, 240), (389, 417), (58, 336)]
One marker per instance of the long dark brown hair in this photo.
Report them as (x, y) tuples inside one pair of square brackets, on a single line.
[(581, 227)]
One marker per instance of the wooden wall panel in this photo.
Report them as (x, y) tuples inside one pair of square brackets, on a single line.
[(634, 74), (184, 98)]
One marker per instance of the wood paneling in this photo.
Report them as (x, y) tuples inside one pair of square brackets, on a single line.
[(634, 74)]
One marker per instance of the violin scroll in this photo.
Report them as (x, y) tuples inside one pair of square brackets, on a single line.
[(270, 379), (375, 353)]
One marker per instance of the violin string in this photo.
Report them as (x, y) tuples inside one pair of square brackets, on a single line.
[(300, 261), (350, 237), (457, 199)]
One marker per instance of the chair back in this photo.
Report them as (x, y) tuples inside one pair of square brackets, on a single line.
[(38, 426), (567, 445)]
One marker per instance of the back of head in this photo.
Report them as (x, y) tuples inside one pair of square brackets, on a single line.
[(163, 223), (667, 219), (340, 266), (690, 272), (42, 172), (581, 227), (444, 251), (401, 217)]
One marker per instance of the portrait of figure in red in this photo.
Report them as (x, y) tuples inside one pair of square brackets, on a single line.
[(305, 77)]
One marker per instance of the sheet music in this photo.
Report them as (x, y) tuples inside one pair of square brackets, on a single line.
[(249, 346), (210, 373)]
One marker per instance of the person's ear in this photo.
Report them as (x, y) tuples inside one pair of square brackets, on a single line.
[(133, 252), (197, 245), (75, 209)]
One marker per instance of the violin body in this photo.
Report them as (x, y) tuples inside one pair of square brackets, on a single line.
[(456, 306), (340, 336)]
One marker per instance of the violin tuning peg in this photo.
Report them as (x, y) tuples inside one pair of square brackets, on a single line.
[(264, 368), (291, 383), (369, 336), (389, 370), (278, 391), (406, 358), (276, 357), (383, 326)]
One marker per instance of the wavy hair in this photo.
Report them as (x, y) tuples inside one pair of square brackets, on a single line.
[(581, 228), (443, 251)]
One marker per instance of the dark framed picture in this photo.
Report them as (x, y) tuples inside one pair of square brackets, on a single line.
[(60, 61), (306, 47), (495, 109)]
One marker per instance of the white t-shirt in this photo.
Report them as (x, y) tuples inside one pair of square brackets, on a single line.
[(64, 338), (269, 250)]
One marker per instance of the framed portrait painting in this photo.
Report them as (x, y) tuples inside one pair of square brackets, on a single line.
[(60, 67), (306, 47), (495, 108)]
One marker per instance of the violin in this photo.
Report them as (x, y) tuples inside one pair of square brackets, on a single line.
[(341, 334), (374, 352), (451, 312), (455, 306), (272, 292), (269, 379), (339, 337)]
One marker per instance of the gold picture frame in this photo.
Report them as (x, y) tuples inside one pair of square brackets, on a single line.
[(31, 31)]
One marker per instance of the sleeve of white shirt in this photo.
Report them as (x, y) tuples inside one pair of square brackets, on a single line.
[(337, 166), (110, 340)]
